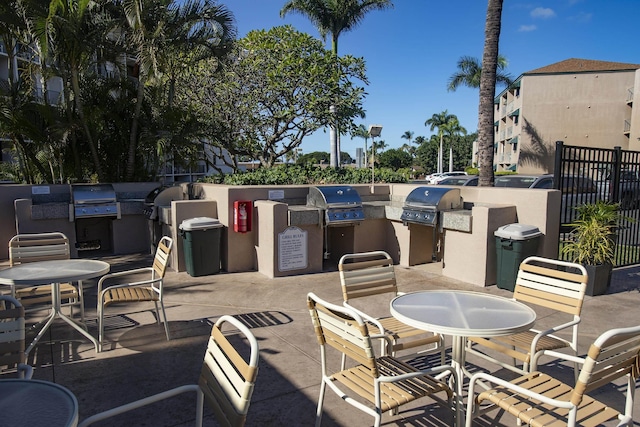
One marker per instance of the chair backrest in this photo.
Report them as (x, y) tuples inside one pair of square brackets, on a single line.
[(541, 282), (616, 353), (227, 378), (367, 273), (38, 247), (342, 329), (161, 259), (12, 334)]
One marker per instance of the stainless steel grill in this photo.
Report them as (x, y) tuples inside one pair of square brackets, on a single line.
[(94, 200), (424, 204), (341, 204)]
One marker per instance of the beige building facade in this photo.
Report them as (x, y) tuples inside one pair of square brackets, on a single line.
[(577, 101)]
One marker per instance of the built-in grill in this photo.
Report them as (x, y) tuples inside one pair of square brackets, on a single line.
[(424, 207), (424, 204), (341, 204), (94, 200)]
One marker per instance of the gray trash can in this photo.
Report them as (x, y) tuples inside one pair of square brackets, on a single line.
[(514, 243), (201, 245)]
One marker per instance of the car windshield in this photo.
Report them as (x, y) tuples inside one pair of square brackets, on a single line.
[(514, 181), (453, 181)]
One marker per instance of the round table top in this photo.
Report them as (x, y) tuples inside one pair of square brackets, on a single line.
[(36, 403), (462, 313), (58, 271)]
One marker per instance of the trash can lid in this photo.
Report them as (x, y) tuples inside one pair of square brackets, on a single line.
[(199, 223), (518, 232)]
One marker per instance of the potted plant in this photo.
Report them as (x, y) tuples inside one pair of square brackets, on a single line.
[(592, 243)]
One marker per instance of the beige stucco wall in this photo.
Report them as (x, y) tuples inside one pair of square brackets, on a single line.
[(467, 255), (582, 109)]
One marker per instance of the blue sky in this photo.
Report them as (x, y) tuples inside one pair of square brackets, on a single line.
[(412, 50)]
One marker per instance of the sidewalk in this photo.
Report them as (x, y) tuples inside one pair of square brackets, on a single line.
[(139, 361)]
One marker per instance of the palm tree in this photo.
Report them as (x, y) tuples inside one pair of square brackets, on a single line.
[(332, 17), (470, 70), (452, 129), (408, 135), (486, 135), (362, 132), (159, 34), (442, 121)]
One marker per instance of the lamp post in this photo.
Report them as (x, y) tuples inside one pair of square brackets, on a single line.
[(374, 130)]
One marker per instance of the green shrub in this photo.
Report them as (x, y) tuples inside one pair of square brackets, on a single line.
[(309, 175)]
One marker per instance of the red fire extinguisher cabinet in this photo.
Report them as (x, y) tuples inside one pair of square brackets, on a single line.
[(242, 216)]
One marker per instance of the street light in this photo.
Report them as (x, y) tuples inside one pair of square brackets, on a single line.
[(374, 130)]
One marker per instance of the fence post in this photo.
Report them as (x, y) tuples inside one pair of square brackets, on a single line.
[(614, 181), (557, 166)]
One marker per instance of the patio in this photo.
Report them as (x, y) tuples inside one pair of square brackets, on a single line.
[(139, 361)]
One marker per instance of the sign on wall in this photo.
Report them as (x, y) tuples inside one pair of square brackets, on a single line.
[(292, 249)]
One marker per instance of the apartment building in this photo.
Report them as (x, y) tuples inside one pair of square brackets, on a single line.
[(578, 101)]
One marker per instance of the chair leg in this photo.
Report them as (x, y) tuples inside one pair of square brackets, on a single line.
[(320, 403), (81, 297), (166, 322), (100, 322)]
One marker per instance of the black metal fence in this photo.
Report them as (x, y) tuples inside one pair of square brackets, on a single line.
[(586, 175)]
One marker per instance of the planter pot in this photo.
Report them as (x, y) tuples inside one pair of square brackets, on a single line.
[(599, 278)]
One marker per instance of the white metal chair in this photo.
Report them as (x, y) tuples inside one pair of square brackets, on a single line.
[(226, 381), (12, 337), (370, 274), (383, 383), (111, 290), (537, 399), (549, 284), (32, 247)]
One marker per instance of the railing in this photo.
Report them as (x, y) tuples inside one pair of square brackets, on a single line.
[(630, 95), (627, 127), (614, 174)]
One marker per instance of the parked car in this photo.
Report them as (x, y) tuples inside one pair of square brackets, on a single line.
[(444, 175), (524, 181), (465, 181), (431, 177)]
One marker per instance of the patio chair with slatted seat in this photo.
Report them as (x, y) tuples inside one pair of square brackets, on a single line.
[(144, 284), (12, 337), (226, 383), (538, 399), (374, 384), (550, 285), (366, 275), (31, 247)]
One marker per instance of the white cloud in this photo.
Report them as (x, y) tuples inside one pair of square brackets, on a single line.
[(582, 17), (527, 28), (542, 13)]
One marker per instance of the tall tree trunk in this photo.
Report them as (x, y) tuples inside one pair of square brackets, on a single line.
[(75, 83), (486, 136), (133, 133)]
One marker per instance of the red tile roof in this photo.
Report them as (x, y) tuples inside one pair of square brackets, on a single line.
[(576, 65)]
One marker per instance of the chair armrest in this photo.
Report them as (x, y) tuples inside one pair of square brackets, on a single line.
[(25, 371), (366, 317), (101, 291), (147, 401), (540, 334), (435, 371), (125, 273), (387, 339), (477, 377)]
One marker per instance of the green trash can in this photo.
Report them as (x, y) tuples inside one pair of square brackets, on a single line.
[(201, 245), (514, 243)]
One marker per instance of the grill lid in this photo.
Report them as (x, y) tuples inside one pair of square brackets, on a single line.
[(341, 204), (93, 194), (434, 198), (94, 200), (333, 196)]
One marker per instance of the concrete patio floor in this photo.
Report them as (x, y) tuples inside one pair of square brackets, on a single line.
[(138, 361)]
